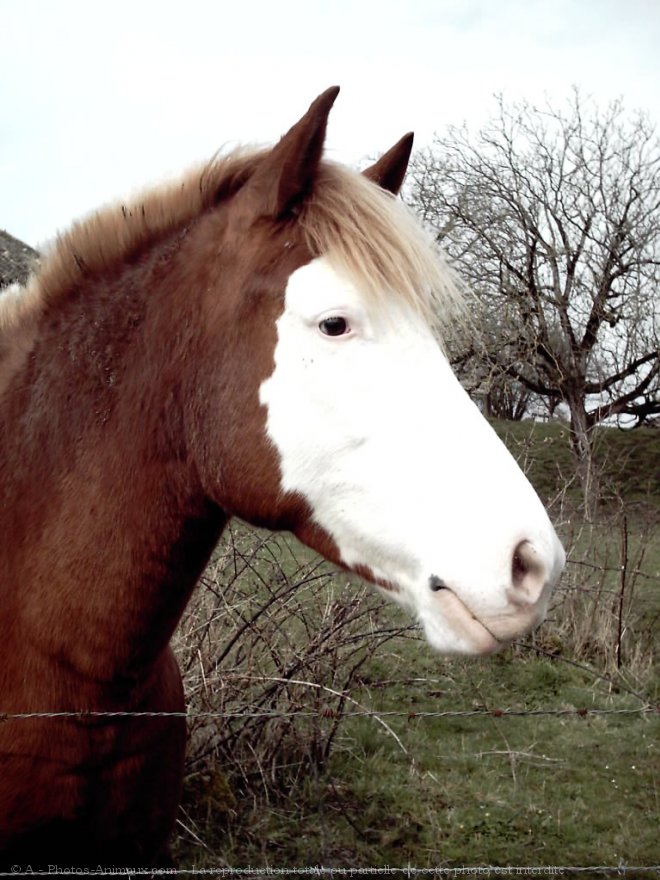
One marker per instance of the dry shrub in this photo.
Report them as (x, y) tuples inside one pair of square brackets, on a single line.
[(605, 611), (272, 632)]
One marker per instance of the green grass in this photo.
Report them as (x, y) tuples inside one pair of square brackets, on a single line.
[(566, 789), (548, 790)]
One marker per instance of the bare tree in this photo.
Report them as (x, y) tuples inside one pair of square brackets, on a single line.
[(552, 216)]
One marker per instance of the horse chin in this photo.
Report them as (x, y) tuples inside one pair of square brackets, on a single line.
[(451, 628)]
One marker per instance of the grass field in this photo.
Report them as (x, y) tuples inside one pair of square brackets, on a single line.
[(348, 761)]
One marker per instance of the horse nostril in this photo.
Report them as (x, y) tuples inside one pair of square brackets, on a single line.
[(436, 583), (528, 572)]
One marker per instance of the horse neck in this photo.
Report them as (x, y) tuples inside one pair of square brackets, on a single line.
[(105, 525)]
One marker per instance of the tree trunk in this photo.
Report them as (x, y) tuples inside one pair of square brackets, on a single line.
[(581, 436)]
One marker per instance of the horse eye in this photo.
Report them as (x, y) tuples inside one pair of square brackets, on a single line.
[(334, 326)]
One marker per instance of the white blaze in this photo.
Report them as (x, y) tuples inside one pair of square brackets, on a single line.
[(398, 465)]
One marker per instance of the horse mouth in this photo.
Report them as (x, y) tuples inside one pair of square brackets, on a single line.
[(466, 624)]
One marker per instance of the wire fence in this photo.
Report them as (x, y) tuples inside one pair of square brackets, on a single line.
[(582, 712)]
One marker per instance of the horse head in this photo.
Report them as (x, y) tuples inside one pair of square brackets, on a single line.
[(333, 411)]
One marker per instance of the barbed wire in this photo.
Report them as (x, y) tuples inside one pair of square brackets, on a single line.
[(614, 569), (328, 712)]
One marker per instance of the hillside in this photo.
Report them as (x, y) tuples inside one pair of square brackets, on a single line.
[(628, 461)]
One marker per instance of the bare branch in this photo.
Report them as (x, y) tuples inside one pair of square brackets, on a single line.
[(552, 215)]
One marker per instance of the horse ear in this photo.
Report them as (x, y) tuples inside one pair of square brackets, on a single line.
[(287, 173), (391, 168)]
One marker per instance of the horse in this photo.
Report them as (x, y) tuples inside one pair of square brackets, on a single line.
[(260, 339)]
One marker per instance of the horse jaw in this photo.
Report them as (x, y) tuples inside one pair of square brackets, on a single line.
[(400, 470)]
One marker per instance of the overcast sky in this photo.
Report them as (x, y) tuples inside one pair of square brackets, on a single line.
[(99, 99)]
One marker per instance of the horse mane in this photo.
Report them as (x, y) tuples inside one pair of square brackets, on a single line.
[(363, 230)]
